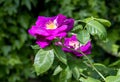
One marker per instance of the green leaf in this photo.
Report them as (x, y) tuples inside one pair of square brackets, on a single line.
[(76, 73), (43, 61), (65, 75), (77, 28), (14, 60), (115, 63), (113, 78), (96, 28), (104, 22), (118, 73), (57, 70), (24, 20), (60, 54), (89, 79), (87, 20), (27, 3), (6, 49), (83, 36), (35, 47)]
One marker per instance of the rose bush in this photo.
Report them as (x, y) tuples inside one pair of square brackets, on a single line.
[(54, 38)]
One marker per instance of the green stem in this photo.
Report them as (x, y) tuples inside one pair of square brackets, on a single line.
[(83, 75), (93, 65), (88, 61)]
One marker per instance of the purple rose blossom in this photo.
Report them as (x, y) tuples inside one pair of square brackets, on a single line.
[(48, 28), (73, 43)]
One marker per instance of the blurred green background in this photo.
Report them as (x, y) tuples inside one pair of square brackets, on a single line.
[(17, 16)]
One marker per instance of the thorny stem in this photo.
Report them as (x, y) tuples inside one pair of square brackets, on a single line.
[(88, 61)]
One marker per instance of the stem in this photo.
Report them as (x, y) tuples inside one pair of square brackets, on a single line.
[(93, 66), (83, 75), (88, 61)]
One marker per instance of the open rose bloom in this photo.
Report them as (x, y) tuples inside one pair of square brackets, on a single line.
[(47, 29), (73, 43)]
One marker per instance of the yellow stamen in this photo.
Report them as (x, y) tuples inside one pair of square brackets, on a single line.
[(51, 25)]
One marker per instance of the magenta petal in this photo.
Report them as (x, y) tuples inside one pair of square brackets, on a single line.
[(87, 52), (86, 47), (60, 19), (50, 37), (43, 43), (41, 21), (67, 40), (70, 23), (44, 35), (61, 35), (37, 31), (74, 38), (63, 28), (66, 50)]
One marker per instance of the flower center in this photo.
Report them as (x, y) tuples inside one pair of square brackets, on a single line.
[(74, 44), (51, 25)]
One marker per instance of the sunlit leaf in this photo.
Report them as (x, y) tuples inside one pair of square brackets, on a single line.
[(104, 22), (113, 78), (118, 73), (57, 70), (43, 61)]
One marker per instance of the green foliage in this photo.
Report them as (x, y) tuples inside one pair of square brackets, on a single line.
[(16, 55)]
